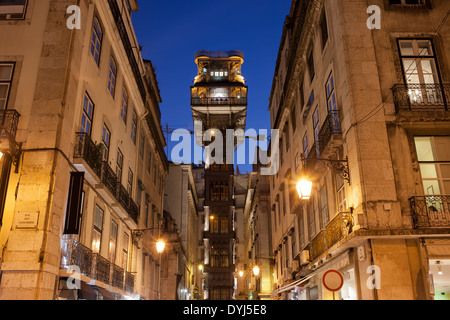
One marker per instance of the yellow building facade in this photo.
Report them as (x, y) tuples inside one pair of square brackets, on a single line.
[(92, 163)]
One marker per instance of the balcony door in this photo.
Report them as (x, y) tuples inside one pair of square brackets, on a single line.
[(420, 71), (433, 154)]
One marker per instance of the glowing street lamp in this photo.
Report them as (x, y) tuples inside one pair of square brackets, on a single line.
[(241, 273), (304, 188), (200, 267), (256, 270), (160, 245)]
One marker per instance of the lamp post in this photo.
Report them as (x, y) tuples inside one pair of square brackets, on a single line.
[(160, 246)]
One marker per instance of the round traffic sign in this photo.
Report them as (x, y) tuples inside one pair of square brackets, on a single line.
[(333, 280)]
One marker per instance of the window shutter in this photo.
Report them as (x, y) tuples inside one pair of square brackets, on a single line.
[(72, 225)]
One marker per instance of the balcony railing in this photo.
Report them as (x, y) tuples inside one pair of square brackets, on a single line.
[(330, 127), (336, 230), (117, 276), (129, 282), (9, 121), (421, 96), (109, 178), (430, 211), (93, 265), (226, 101), (317, 246), (73, 253), (87, 150)]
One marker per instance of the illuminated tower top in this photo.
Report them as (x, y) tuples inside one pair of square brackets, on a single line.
[(219, 93)]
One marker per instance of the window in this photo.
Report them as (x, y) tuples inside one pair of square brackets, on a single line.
[(149, 160), (324, 206), (113, 242), (130, 182), (311, 220), (112, 75), (305, 146), (6, 75), (332, 105), (134, 127), (106, 139), (419, 67), (340, 194), (311, 69), (219, 224), (119, 165), (124, 107), (98, 229), (96, 41), (126, 240), (433, 154), (286, 136), (13, 9), (88, 112), (324, 29), (141, 145), (316, 126)]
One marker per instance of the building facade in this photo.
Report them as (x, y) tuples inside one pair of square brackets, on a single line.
[(83, 108), (363, 114), (258, 237), (219, 102), (180, 259)]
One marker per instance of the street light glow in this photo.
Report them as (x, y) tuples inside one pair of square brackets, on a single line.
[(160, 245), (304, 189), (256, 270)]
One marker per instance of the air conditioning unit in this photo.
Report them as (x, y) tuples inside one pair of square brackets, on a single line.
[(304, 258)]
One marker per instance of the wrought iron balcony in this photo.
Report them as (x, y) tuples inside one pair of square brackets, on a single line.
[(336, 230), (9, 121), (317, 245), (101, 269), (117, 276), (73, 253), (225, 101), (133, 210), (430, 211), (129, 282), (87, 150), (421, 96), (108, 178), (330, 127)]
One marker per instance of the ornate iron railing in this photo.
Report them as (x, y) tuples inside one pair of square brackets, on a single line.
[(133, 210), (317, 245), (73, 253), (338, 228), (430, 211), (123, 197), (219, 101), (101, 269), (117, 276), (86, 149), (129, 282), (9, 121), (109, 178), (330, 127), (421, 96)]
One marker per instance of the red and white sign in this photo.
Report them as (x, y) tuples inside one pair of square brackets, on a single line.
[(333, 280)]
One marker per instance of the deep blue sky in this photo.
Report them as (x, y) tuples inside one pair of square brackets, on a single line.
[(171, 31)]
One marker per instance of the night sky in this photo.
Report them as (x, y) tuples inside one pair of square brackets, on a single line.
[(171, 31)]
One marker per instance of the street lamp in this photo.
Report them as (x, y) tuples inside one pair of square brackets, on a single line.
[(304, 188), (160, 245), (256, 270)]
